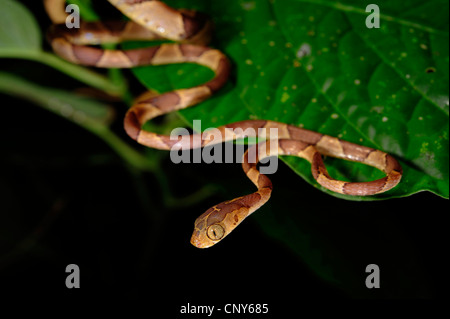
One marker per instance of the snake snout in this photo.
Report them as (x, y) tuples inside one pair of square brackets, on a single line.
[(197, 242)]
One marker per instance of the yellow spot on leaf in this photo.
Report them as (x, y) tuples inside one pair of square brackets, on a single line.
[(285, 97)]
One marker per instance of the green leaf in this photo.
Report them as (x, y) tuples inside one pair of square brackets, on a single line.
[(18, 28), (20, 38), (317, 65)]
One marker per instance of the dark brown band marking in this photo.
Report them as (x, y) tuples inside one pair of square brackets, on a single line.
[(193, 25), (132, 125), (140, 57), (222, 75), (89, 56), (166, 102)]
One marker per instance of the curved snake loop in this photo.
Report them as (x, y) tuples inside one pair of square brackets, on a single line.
[(152, 19)]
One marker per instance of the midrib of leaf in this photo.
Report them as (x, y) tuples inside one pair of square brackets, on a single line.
[(349, 8)]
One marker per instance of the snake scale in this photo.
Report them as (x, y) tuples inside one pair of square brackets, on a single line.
[(152, 20)]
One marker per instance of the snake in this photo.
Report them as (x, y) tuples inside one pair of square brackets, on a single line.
[(190, 33)]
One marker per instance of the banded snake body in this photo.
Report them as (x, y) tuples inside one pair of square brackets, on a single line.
[(151, 20)]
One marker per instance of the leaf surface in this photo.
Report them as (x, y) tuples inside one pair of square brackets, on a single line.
[(316, 64), (23, 35)]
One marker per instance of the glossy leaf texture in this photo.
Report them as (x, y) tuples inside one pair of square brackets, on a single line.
[(317, 65)]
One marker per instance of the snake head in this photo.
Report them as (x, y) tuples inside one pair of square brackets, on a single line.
[(217, 222), (206, 238)]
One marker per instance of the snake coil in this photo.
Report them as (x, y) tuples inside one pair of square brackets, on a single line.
[(152, 20)]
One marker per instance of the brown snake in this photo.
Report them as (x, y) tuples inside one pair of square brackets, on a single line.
[(152, 19)]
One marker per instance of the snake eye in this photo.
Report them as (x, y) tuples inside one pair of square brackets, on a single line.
[(215, 232)]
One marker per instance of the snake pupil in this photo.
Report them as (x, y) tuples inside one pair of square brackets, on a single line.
[(215, 232)]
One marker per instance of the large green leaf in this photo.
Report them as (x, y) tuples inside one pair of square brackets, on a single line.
[(24, 35), (317, 65)]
